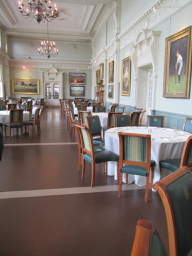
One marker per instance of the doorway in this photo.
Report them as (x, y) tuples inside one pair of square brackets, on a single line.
[(52, 94)]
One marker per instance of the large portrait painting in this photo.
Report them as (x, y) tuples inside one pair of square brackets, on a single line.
[(97, 76), (77, 91), (126, 77), (110, 91), (177, 70), (25, 86), (101, 70), (111, 72), (77, 78)]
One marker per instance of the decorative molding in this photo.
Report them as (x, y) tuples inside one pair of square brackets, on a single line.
[(50, 64)]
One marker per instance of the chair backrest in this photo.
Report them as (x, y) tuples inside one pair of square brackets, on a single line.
[(112, 109), (134, 118), (94, 125), (21, 107), (2, 107), (100, 109), (175, 191), (187, 127), (16, 116), (33, 109), (141, 118), (82, 115), (71, 116), (37, 115), (186, 159), (86, 139), (120, 109), (155, 121), (110, 119), (82, 108), (121, 120), (147, 241), (29, 104), (11, 106)]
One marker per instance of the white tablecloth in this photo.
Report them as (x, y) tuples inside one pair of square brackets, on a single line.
[(4, 118), (165, 144), (75, 110), (103, 118)]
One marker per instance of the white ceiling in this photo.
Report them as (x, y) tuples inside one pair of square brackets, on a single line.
[(79, 20)]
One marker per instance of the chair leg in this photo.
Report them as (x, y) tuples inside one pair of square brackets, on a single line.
[(126, 178), (93, 174), (152, 176), (120, 183), (5, 130), (103, 167), (117, 172), (106, 168), (146, 189), (83, 168), (9, 131), (21, 131)]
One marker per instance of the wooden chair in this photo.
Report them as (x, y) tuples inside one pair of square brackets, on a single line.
[(141, 118), (100, 109), (112, 109), (82, 115), (89, 154), (2, 107), (15, 121), (21, 107), (147, 241), (29, 106), (35, 122), (11, 106), (134, 118), (72, 121), (110, 121), (175, 191), (120, 109), (187, 127), (135, 157), (121, 120), (155, 121), (185, 160), (81, 108)]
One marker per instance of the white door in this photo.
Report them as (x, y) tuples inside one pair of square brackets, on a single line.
[(52, 94)]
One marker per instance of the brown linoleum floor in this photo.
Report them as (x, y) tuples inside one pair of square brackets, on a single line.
[(69, 225)]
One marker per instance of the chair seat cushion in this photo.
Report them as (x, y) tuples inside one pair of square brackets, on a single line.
[(77, 122), (13, 125), (98, 147), (98, 141), (153, 163), (102, 157), (135, 170), (29, 123), (170, 164)]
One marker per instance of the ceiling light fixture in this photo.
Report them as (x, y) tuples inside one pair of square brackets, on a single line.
[(48, 47), (41, 10)]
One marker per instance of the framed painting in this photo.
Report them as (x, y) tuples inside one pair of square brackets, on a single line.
[(25, 86), (126, 77), (110, 91), (101, 70), (77, 78), (177, 69), (111, 72), (77, 91), (97, 76)]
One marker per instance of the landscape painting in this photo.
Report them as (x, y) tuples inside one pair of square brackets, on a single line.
[(77, 91), (77, 78), (25, 86)]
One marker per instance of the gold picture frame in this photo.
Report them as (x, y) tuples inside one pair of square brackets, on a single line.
[(111, 72), (25, 86), (126, 77), (177, 68), (111, 91), (97, 76), (101, 70)]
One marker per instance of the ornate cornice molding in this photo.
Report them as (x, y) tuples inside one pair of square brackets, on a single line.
[(50, 64)]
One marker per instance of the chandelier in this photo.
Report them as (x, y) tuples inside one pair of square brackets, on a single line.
[(41, 10), (48, 47)]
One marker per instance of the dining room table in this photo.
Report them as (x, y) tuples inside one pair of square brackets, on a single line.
[(4, 118), (166, 143), (102, 117)]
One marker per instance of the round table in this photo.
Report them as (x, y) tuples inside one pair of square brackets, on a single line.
[(166, 143)]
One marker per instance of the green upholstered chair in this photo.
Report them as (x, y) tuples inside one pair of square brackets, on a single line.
[(33, 111), (95, 105), (121, 120), (135, 157), (11, 106), (82, 115), (187, 127), (147, 241), (15, 121), (110, 121), (2, 107), (109, 106), (29, 106), (185, 160), (21, 107), (112, 109), (81, 108), (155, 121), (89, 155), (100, 109), (94, 125), (97, 147), (35, 122), (120, 109), (135, 118), (175, 191)]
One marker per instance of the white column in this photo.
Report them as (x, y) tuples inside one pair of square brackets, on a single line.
[(117, 67)]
